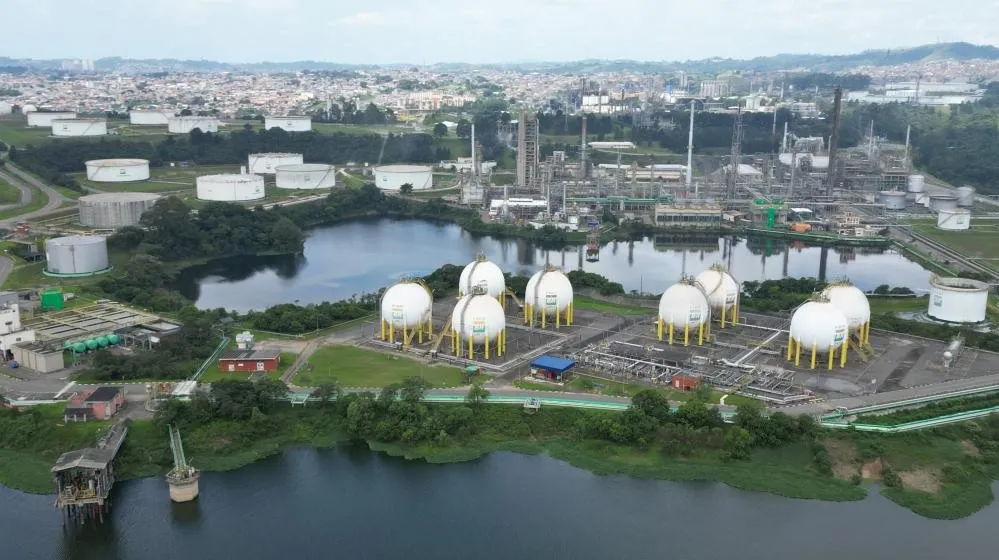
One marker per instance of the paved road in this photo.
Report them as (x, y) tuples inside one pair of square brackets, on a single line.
[(21, 180)]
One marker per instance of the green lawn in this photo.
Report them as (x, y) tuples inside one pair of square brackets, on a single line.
[(9, 194), (358, 367), (161, 179), (893, 305), (38, 201), (583, 302), (16, 133), (981, 241), (215, 374), (329, 128)]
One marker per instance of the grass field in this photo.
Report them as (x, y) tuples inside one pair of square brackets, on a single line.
[(215, 374), (15, 133), (583, 302), (9, 194), (329, 128), (161, 179), (358, 367), (982, 241), (38, 201)]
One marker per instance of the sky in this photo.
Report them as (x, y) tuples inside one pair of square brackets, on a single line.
[(482, 31)]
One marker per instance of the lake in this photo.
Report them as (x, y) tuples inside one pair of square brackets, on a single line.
[(362, 256)]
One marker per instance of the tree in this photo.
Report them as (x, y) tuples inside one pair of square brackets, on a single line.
[(737, 444), (412, 390), (186, 113), (440, 130), (477, 394), (328, 391), (287, 236), (463, 129), (653, 403), (406, 188)]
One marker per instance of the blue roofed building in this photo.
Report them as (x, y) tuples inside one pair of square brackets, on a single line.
[(552, 368)]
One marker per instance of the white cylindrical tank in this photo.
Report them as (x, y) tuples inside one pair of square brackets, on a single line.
[(405, 307), (958, 300), (29, 108), (484, 273), (117, 170), (5, 108), (115, 210), (966, 196), (940, 202), (915, 183), (893, 200), (79, 127), (44, 120), (230, 187), (954, 220), (76, 255), (478, 317), (819, 325), (305, 176), (852, 302), (142, 117), (549, 294), (393, 177), (722, 291), (184, 125), (289, 124), (267, 164)]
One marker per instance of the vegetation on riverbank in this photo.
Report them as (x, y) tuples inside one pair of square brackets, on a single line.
[(932, 410)]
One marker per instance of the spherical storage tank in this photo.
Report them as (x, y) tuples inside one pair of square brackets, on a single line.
[(482, 272), (305, 176), (548, 294), (940, 202), (289, 124), (478, 320), (958, 300), (79, 127), (76, 255), (230, 187), (915, 183), (852, 302), (149, 118), (393, 177), (954, 220), (115, 210), (722, 291), (40, 119), (184, 125), (683, 308), (818, 327), (117, 170), (893, 200), (267, 164), (966, 196), (406, 306)]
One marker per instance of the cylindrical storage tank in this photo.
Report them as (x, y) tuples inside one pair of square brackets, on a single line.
[(79, 127), (954, 220), (852, 302), (5, 108), (76, 255), (958, 300), (44, 120), (305, 176), (940, 202), (915, 183), (267, 164), (818, 328), (184, 125), (289, 124), (230, 187), (79, 347), (102, 341), (722, 291), (114, 339), (548, 294), (484, 273), (393, 177), (478, 320), (117, 170), (683, 308), (406, 310), (115, 210), (91, 344), (966, 196), (141, 117), (893, 200)]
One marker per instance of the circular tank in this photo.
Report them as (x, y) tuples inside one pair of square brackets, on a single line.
[(481, 272), (44, 119), (115, 210), (548, 291), (819, 324), (79, 347), (91, 344), (940, 202), (966, 196), (140, 117), (76, 254), (184, 125), (79, 127), (305, 176), (683, 304), (406, 305), (267, 164), (722, 290), (114, 339), (954, 220), (851, 301), (230, 187), (102, 341), (289, 124), (916, 183), (393, 177), (478, 317), (117, 170), (958, 300), (893, 200)]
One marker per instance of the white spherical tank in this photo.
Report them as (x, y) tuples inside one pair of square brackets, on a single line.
[(722, 290), (683, 307), (958, 300), (117, 170), (76, 255), (305, 176), (79, 127), (819, 325), (267, 164), (966, 196), (230, 187), (478, 317), (549, 294), (44, 119), (289, 124), (184, 125), (916, 183), (141, 117), (851, 301), (486, 274), (954, 220), (406, 309), (115, 210), (393, 177)]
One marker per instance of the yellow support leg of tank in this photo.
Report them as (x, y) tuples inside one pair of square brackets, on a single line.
[(723, 314), (454, 342), (797, 354), (404, 337), (790, 347), (815, 353), (832, 355), (471, 352), (842, 353), (558, 317), (419, 333), (572, 312), (383, 328), (735, 313), (487, 347), (700, 334), (671, 333), (867, 333), (659, 329), (544, 317), (430, 328), (391, 333), (686, 334)]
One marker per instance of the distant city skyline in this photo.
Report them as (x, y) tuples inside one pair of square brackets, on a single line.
[(483, 31)]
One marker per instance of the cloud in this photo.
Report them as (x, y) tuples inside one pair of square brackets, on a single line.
[(369, 19)]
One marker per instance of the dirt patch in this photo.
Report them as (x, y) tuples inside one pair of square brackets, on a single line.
[(843, 456), (925, 480), (294, 346), (871, 470), (970, 449)]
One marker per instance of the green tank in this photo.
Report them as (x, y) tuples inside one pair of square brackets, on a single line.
[(102, 341), (79, 347), (91, 344), (113, 338), (67, 344)]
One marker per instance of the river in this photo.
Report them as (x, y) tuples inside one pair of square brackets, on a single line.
[(362, 256), (352, 503)]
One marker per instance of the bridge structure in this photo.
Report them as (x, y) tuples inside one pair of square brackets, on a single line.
[(84, 477)]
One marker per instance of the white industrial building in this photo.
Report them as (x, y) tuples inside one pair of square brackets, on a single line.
[(140, 117), (79, 127), (10, 323), (44, 120), (267, 163), (958, 300), (393, 177), (289, 124), (305, 176), (184, 125), (117, 170), (115, 210), (230, 187), (76, 255)]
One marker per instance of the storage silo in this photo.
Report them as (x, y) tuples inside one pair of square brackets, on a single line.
[(267, 164), (966, 196), (722, 291), (683, 306), (954, 220), (478, 320), (117, 170), (289, 124), (916, 183), (76, 255), (958, 300), (79, 127), (821, 329), (44, 119), (230, 187), (482, 272), (305, 176), (142, 117), (115, 210), (853, 304), (184, 125), (406, 309), (940, 202), (893, 200), (393, 177), (548, 293)]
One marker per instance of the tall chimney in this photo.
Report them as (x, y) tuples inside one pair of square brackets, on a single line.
[(834, 140)]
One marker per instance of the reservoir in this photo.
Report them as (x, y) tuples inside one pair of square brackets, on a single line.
[(362, 256), (353, 503)]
